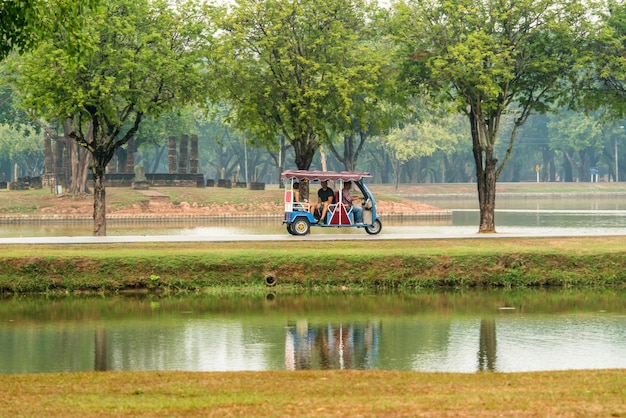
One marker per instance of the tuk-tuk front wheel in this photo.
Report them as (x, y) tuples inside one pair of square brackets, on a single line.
[(300, 226), (374, 228)]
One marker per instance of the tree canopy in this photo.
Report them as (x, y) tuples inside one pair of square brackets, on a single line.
[(23, 24), (295, 68), (146, 57), (490, 57)]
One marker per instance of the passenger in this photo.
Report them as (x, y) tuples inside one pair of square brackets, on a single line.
[(296, 192), (347, 200), (325, 197)]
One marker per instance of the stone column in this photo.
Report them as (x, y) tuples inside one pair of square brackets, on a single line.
[(59, 153), (183, 154), (193, 158), (130, 156), (171, 155)]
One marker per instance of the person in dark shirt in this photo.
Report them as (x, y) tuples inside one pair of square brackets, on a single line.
[(325, 197)]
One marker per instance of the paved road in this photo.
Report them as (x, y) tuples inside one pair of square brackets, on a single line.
[(535, 232)]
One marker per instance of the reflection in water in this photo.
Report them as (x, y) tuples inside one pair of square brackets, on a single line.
[(487, 347), (101, 350), (324, 347), (451, 332)]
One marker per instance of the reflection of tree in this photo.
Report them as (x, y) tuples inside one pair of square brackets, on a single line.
[(344, 346), (101, 363), (487, 348)]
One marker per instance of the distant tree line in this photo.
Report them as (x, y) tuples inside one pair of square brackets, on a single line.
[(462, 91)]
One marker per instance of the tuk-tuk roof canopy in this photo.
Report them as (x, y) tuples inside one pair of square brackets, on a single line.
[(325, 175)]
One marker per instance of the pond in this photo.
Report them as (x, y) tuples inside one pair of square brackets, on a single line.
[(546, 211), (470, 331)]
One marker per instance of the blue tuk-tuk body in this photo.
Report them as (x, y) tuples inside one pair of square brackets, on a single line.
[(299, 216)]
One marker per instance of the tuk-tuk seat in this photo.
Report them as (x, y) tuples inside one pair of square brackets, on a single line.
[(339, 215)]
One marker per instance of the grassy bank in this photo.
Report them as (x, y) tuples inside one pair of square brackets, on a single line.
[(315, 265), (598, 393), (325, 266)]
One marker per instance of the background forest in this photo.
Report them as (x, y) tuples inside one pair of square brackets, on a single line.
[(411, 91), (566, 146)]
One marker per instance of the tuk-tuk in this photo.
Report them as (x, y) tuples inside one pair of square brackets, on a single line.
[(300, 217)]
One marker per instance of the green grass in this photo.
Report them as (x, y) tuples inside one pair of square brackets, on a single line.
[(381, 265)]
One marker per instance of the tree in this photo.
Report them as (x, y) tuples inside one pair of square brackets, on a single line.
[(23, 24), (379, 104), (23, 147), (580, 138), (490, 57), (292, 69), (146, 59), (412, 141), (602, 80), (374, 113)]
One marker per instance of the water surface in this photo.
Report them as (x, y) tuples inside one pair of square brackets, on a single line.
[(449, 332)]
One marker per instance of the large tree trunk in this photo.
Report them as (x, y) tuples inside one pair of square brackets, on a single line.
[(485, 179), (99, 199), (102, 146), (79, 161), (305, 149), (487, 196), (83, 173)]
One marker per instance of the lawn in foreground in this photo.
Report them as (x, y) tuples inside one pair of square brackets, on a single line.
[(587, 393)]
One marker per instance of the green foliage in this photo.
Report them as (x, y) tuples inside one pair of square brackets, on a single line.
[(298, 69), (488, 58), (602, 76), (25, 23), (575, 131), (145, 61), (148, 57), (22, 147)]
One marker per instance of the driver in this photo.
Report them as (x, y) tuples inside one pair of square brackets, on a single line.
[(347, 200)]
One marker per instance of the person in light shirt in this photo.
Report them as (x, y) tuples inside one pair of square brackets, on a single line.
[(348, 202)]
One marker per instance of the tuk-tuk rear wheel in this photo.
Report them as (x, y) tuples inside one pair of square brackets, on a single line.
[(300, 226)]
